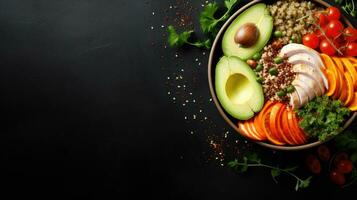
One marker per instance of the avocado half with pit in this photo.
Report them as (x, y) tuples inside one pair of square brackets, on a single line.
[(258, 15), (237, 88)]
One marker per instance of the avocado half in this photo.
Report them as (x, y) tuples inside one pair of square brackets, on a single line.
[(258, 15), (237, 88)]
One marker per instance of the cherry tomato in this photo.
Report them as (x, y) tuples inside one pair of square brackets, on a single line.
[(351, 49), (333, 13), (313, 164), (334, 28), (344, 166), (327, 48), (350, 34), (324, 153), (311, 40), (339, 157), (322, 19), (337, 177)]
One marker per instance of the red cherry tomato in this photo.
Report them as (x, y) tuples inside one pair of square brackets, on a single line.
[(350, 34), (351, 49), (345, 166), (333, 13), (311, 40), (327, 48), (339, 157), (313, 164), (322, 19), (337, 178), (334, 28), (324, 153)]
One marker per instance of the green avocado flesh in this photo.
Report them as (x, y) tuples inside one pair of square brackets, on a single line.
[(258, 15), (237, 89)]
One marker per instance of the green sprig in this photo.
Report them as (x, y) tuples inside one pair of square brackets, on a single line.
[(252, 160)]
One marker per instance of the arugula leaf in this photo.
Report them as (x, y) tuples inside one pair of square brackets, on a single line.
[(178, 40)]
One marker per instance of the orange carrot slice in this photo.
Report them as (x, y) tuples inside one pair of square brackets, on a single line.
[(332, 82), (350, 89)]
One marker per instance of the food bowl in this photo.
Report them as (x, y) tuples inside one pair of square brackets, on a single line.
[(216, 53)]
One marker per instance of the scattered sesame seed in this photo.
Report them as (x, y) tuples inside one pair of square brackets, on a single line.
[(179, 86), (204, 53), (170, 7), (173, 98), (210, 99), (176, 55), (185, 117), (200, 111), (190, 93), (194, 116), (186, 101), (191, 132), (182, 70), (153, 13), (184, 86), (196, 59), (162, 26), (205, 118), (168, 78), (199, 64), (152, 28), (194, 101)]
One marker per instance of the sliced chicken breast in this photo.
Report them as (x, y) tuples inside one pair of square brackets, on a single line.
[(307, 87), (312, 74), (303, 97), (307, 59), (294, 100)]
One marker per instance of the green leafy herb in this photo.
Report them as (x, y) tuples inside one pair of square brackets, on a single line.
[(348, 6), (348, 141), (178, 40), (322, 117), (252, 160), (209, 25)]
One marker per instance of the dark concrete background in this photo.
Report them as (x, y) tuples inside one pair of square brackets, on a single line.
[(84, 112)]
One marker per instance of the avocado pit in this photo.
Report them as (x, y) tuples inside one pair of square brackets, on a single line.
[(247, 35)]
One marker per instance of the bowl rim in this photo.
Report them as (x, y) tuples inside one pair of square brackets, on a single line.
[(221, 110)]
